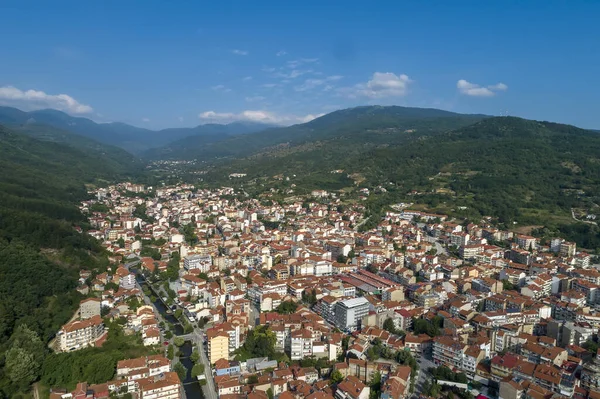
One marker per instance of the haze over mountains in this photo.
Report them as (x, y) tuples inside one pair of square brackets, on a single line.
[(131, 138)]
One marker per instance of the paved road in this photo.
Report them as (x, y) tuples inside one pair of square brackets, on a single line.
[(580, 220), (423, 375)]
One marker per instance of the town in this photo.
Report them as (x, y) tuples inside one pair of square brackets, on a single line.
[(237, 297)]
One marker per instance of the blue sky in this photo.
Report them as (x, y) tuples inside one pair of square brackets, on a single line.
[(168, 64)]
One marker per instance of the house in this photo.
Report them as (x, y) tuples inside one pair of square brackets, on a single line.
[(397, 386), (352, 388)]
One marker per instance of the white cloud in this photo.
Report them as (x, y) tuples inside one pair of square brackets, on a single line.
[(256, 116), (475, 90), (239, 52), (145, 120), (281, 53), (255, 99), (381, 84), (221, 88), (35, 99), (247, 78), (293, 64), (498, 86), (312, 83)]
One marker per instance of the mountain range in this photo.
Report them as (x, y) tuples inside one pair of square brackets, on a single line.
[(134, 139)]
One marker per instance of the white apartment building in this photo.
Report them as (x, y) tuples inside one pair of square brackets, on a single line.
[(80, 333)]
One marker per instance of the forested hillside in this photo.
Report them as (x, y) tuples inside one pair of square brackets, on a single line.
[(40, 250), (356, 124)]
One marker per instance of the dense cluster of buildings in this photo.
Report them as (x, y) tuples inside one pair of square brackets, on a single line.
[(512, 312)]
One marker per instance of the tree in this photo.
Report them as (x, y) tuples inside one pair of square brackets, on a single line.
[(197, 370), (270, 393), (21, 367), (170, 352), (178, 341), (389, 325), (287, 307), (99, 369), (336, 377), (253, 379), (25, 357), (590, 346), (180, 370), (195, 356), (375, 385)]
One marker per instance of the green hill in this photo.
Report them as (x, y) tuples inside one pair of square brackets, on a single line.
[(361, 122), (42, 181)]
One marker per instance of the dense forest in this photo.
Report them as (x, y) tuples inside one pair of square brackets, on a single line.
[(40, 250)]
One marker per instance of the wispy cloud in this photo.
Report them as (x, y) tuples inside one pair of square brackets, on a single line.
[(293, 64), (221, 88), (269, 85), (310, 84), (381, 85), (240, 52), (35, 99), (180, 119), (281, 53), (475, 90), (145, 120), (247, 78), (257, 116), (253, 99)]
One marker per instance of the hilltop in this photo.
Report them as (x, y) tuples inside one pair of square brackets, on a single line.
[(362, 123)]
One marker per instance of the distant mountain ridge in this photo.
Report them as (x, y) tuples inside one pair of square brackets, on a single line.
[(131, 138), (343, 123)]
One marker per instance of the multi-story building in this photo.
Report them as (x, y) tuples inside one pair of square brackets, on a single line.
[(349, 313), (526, 242), (80, 333), (449, 352), (218, 345), (162, 386), (567, 249), (300, 344), (89, 308), (201, 263)]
